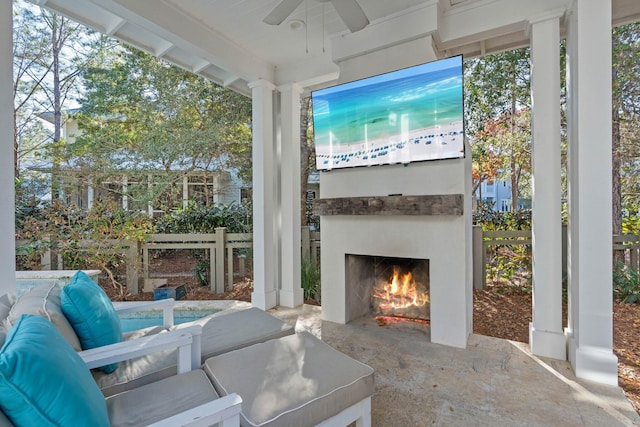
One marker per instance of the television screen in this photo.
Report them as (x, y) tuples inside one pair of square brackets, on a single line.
[(404, 116)]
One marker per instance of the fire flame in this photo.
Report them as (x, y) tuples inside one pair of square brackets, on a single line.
[(401, 292)]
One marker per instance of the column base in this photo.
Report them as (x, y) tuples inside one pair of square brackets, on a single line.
[(264, 300), (592, 363), (547, 343), (291, 298)]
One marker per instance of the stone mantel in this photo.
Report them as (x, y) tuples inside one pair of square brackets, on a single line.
[(443, 204)]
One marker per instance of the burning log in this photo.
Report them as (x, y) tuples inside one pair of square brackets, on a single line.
[(401, 297)]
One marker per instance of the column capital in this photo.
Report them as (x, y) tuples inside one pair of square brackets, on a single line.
[(291, 87), (550, 15), (261, 84)]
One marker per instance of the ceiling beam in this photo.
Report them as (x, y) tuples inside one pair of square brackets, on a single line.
[(191, 35)]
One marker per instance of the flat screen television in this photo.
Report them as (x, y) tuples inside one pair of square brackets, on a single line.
[(409, 115)]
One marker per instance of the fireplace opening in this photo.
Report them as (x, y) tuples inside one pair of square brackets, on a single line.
[(387, 286)]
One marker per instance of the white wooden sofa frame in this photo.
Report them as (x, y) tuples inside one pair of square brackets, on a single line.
[(167, 306), (224, 411)]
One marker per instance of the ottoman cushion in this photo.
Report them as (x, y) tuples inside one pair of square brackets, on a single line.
[(157, 401), (221, 332), (292, 381)]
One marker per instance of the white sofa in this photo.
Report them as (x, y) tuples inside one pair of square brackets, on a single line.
[(221, 332), (45, 382), (286, 379)]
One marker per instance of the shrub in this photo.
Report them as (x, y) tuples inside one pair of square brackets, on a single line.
[(310, 278), (84, 239), (626, 284), (205, 219), (506, 262), (489, 219)]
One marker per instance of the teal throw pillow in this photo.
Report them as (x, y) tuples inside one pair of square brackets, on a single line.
[(44, 382), (91, 314)]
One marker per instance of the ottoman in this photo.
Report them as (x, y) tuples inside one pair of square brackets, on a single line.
[(294, 381)]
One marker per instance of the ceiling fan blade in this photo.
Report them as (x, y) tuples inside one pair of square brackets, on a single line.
[(281, 12), (351, 13)]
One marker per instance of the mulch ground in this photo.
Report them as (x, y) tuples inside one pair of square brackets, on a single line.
[(500, 310)]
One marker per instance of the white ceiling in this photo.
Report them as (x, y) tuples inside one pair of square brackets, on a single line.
[(227, 42)]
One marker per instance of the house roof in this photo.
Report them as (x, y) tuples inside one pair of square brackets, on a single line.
[(48, 115)]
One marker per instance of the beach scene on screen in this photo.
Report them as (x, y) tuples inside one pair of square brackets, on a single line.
[(405, 116)]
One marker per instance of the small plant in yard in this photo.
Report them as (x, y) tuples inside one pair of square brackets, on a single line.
[(201, 272), (310, 278), (626, 284)]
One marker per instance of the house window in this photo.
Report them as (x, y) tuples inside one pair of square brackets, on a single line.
[(489, 187), (202, 189), (505, 205), (245, 195)]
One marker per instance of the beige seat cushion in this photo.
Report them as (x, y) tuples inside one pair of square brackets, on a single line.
[(6, 301), (160, 400), (44, 301), (221, 332), (4, 421), (293, 381)]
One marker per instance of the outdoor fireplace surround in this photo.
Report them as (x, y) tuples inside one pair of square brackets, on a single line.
[(443, 238)]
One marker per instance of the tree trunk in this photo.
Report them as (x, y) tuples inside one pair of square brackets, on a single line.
[(514, 172), (57, 111), (57, 129), (615, 167), (306, 151), (16, 151), (616, 161)]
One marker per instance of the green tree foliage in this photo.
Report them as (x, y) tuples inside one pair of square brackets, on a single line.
[(497, 117), (142, 114), (49, 51), (30, 67), (626, 116)]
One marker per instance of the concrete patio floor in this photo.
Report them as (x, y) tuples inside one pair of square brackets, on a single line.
[(494, 382)]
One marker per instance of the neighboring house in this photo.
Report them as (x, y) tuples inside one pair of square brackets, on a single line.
[(205, 186), (498, 193), (313, 186)]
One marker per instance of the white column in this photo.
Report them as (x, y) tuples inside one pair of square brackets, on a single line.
[(150, 183), (265, 246), (546, 337), (125, 192), (590, 328), (90, 195), (7, 213), (290, 257), (217, 189), (185, 191)]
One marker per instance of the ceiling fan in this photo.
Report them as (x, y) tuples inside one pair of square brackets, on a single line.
[(349, 11)]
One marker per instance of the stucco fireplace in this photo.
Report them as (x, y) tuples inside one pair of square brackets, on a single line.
[(435, 226)]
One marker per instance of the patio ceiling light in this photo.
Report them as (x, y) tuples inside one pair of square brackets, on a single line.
[(297, 25)]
